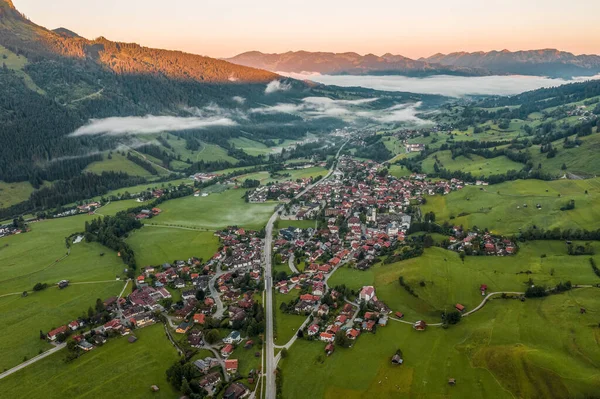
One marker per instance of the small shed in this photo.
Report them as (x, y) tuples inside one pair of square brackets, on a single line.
[(452, 381), (396, 359), (459, 307), (154, 388)]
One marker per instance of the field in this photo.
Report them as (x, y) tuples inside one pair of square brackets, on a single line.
[(580, 160), (475, 164), (251, 147), (301, 224), (118, 163), (23, 318), (501, 207), (447, 280), (509, 349), (118, 369), (155, 245), (264, 177), (215, 212), (13, 193), (286, 325), (29, 258), (399, 171)]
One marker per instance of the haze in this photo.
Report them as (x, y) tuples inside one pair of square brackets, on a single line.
[(413, 29)]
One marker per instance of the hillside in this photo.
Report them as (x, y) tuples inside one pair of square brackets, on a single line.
[(347, 63), (546, 62)]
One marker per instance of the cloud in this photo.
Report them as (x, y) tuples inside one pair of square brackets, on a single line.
[(232, 78), (239, 99), (277, 85), (398, 113), (452, 86), (148, 125)]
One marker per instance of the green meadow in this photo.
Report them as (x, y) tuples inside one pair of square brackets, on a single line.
[(286, 325), (155, 245), (118, 163), (501, 207), (215, 212), (537, 349), (13, 193), (118, 369), (264, 177), (474, 164), (22, 318)]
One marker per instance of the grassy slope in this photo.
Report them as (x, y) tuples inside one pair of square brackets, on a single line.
[(21, 319), (488, 209), (117, 369), (17, 63), (511, 349), (286, 325), (215, 211), (118, 163), (265, 178), (13, 193), (157, 245), (477, 165)]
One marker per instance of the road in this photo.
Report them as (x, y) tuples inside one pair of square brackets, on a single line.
[(33, 360), (216, 294), (292, 265), (271, 361)]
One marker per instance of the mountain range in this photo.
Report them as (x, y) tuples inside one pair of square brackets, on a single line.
[(548, 62)]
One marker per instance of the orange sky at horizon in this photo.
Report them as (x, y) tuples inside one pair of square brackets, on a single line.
[(413, 30)]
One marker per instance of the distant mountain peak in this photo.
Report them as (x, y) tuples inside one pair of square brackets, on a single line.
[(66, 33), (9, 3)]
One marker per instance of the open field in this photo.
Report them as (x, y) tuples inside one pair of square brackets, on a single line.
[(157, 245), (538, 349), (13, 193), (29, 258), (302, 224), (501, 207), (207, 152), (118, 369), (286, 325), (399, 171), (448, 280), (118, 163), (580, 160), (264, 177), (21, 319), (251, 147), (475, 164), (215, 212)]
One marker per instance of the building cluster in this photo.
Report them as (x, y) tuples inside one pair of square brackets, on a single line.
[(89, 208), (9, 230), (475, 242), (282, 191)]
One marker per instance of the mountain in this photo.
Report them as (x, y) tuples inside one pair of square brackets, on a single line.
[(347, 63), (546, 62)]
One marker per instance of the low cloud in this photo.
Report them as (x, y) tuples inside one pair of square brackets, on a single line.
[(239, 99), (452, 86), (277, 85), (148, 125)]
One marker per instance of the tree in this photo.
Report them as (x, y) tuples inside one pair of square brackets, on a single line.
[(212, 336), (99, 306), (284, 353), (452, 317), (342, 340)]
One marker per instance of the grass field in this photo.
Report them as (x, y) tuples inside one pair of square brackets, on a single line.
[(302, 224), (251, 147), (13, 193), (215, 211), (21, 319), (501, 207), (448, 280), (399, 171), (580, 160), (118, 163), (286, 325), (537, 349), (475, 164), (29, 258), (157, 245), (17, 63), (264, 177), (118, 369)]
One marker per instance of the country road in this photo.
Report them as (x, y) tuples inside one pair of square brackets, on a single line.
[(292, 265), (33, 360)]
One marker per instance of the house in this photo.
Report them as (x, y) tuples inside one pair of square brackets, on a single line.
[(85, 346), (210, 382), (420, 325), (227, 350), (179, 283), (459, 307), (74, 325), (237, 390), (200, 318), (399, 315), (231, 365), (352, 333), (313, 330), (114, 324), (367, 293), (183, 327), (326, 337), (383, 321), (234, 337), (329, 349)]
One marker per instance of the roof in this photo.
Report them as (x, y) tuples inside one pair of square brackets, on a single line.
[(231, 364)]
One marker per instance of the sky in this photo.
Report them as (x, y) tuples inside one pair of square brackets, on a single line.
[(412, 28)]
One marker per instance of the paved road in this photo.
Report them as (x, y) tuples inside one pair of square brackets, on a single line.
[(271, 361), (33, 360), (292, 265), (216, 294)]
